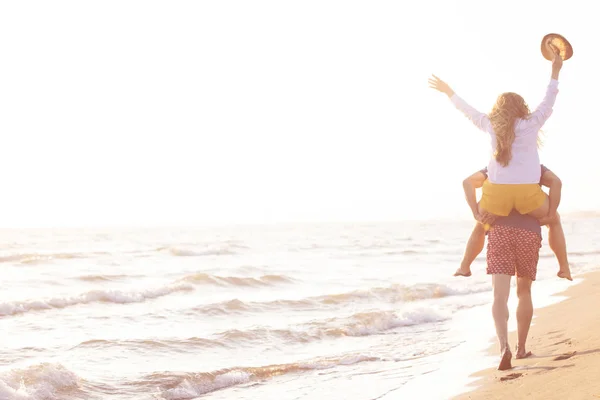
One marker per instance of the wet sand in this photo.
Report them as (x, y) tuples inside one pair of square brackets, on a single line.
[(565, 342)]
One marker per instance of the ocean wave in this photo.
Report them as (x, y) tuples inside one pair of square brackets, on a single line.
[(102, 278), (94, 296), (225, 249), (171, 344), (38, 382), (405, 251), (182, 386), (252, 269), (359, 324), (397, 293), (572, 254), (355, 244), (32, 258), (265, 280), (124, 297), (391, 295), (191, 253)]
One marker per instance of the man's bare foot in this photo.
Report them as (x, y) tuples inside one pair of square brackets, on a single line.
[(565, 273), (522, 353), (505, 361), (463, 272)]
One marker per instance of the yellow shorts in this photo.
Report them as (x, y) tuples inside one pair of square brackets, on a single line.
[(501, 199)]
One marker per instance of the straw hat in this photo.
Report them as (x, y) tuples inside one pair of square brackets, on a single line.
[(563, 45)]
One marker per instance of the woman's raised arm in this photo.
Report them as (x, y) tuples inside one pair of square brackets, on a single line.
[(543, 111), (479, 119)]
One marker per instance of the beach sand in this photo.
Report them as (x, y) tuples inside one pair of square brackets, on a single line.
[(565, 342)]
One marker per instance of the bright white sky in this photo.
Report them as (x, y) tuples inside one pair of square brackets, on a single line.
[(163, 112)]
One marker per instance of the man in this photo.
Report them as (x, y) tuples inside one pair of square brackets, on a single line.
[(514, 243), (556, 235)]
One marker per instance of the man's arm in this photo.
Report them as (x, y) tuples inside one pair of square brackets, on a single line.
[(470, 185), (552, 182)]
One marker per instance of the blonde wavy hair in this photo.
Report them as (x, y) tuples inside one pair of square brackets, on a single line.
[(508, 109)]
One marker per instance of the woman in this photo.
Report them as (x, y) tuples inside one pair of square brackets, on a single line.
[(514, 170)]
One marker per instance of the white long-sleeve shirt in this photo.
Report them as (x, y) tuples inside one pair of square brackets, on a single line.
[(524, 166)]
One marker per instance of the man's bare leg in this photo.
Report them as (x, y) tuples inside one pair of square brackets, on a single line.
[(558, 244), (501, 284), (473, 249), (524, 315)]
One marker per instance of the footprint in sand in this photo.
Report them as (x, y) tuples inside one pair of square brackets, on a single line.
[(567, 341), (564, 356), (511, 376)]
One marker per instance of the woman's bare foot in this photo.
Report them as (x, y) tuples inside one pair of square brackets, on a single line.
[(522, 353), (505, 361), (463, 271), (565, 273)]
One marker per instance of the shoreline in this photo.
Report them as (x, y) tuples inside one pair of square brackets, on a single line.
[(565, 341)]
